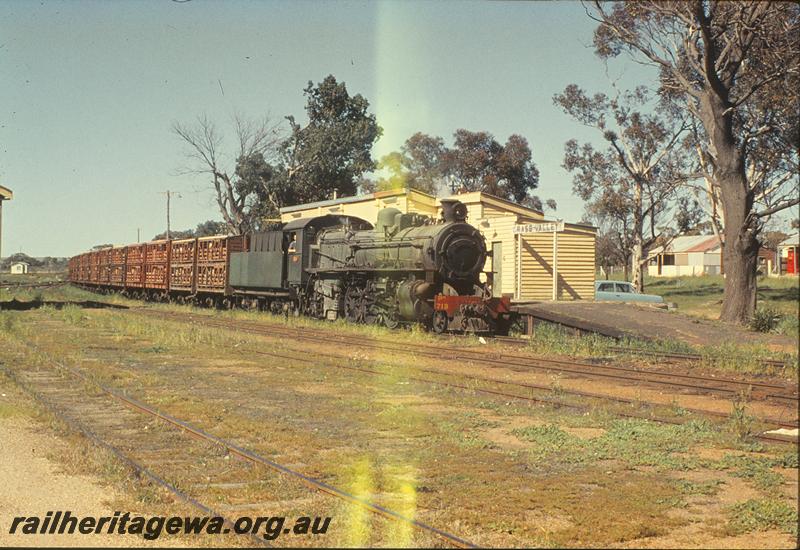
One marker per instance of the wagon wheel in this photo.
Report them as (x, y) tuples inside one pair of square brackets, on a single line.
[(440, 322)]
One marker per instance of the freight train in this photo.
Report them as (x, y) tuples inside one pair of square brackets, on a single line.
[(407, 268)]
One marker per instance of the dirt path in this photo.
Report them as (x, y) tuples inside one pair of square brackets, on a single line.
[(33, 483)]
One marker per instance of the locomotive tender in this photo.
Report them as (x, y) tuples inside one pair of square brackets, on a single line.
[(407, 268)]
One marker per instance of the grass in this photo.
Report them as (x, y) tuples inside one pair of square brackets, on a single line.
[(761, 515), (757, 470), (10, 410), (635, 442), (584, 496), (741, 423), (702, 296), (551, 339)]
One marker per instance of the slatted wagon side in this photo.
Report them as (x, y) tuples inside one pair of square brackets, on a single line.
[(183, 265), (213, 261), (71, 269), (104, 267), (83, 268), (134, 266), (116, 266), (94, 268), (156, 265)]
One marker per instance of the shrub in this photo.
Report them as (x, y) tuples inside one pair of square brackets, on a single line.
[(765, 319)]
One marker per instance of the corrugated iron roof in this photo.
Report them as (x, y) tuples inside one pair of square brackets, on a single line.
[(688, 243), (706, 245)]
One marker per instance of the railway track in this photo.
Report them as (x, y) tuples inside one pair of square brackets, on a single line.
[(725, 387), (49, 284), (692, 357), (541, 400), (164, 448), (291, 333)]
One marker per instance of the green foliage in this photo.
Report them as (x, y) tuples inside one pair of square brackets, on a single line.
[(478, 162), (629, 182), (789, 460), (699, 72), (740, 422), (704, 488), (761, 515), (636, 442), (423, 159), (789, 325), (333, 149), (204, 229), (73, 315), (757, 470), (764, 319), (8, 322)]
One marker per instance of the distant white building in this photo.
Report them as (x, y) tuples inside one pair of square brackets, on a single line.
[(19, 268), (686, 255)]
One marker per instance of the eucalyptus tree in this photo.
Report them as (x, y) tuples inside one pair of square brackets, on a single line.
[(635, 178), (735, 68)]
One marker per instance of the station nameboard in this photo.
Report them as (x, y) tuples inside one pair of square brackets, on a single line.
[(548, 227)]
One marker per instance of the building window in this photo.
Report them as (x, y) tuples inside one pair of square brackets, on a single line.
[(669, 259)]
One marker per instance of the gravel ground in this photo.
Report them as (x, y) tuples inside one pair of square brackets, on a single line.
[(34, 483)]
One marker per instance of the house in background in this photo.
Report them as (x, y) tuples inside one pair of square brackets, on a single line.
[(686, 255), (787, 252), (19, 268)]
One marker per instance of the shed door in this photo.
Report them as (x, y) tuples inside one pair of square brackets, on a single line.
[(497, 268)]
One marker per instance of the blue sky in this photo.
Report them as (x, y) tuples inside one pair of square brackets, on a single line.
[(89, 91)]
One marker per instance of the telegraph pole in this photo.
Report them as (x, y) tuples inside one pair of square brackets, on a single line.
[(169, 195), (5, 195)]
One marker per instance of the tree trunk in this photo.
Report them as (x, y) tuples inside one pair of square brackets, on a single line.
[(636, 265), (740, 249), (740, 253), (638, 227)]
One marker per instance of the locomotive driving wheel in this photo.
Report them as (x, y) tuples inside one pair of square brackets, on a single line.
[(352, 308), (440, 322), (391, 318), (359, 304), (315, 305)]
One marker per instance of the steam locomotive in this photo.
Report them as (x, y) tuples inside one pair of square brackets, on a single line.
[(407, 268)]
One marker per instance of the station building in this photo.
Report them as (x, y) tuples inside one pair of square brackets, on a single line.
[(532, 258), (19, 268)]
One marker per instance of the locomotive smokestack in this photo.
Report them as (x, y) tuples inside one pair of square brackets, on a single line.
[(453, 210)]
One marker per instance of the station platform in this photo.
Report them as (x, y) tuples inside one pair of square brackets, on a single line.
[(646, 323)]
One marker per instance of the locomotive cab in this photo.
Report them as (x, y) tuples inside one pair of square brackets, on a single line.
[(303, 233)]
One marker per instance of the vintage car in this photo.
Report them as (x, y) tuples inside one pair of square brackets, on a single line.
[(621, 291)]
